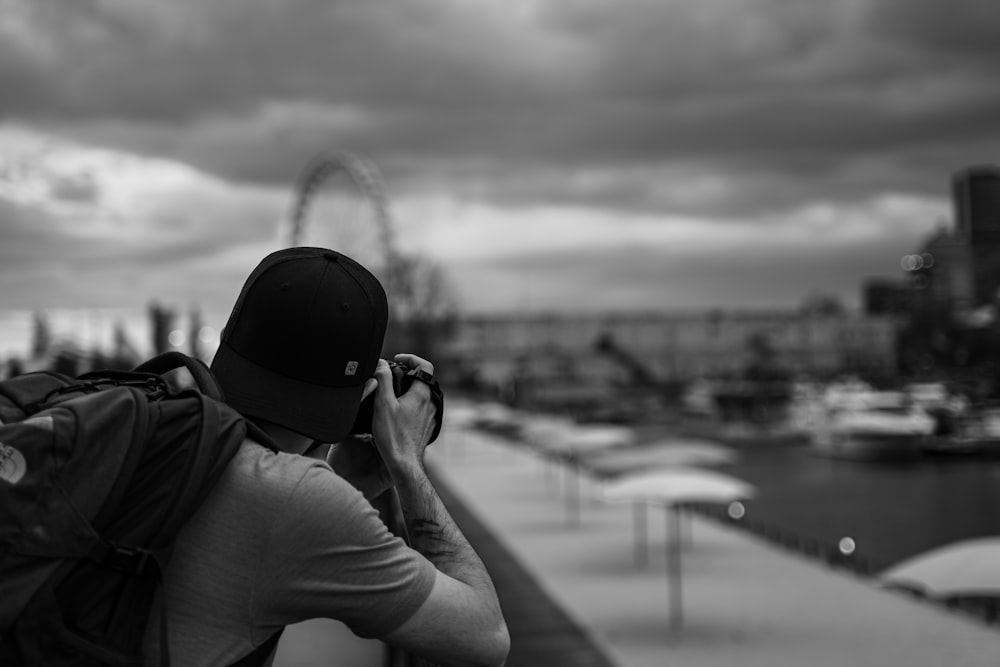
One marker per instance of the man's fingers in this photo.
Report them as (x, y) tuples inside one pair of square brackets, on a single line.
[(384, 376), (413, 361)]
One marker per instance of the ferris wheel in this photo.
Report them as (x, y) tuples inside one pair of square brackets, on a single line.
[(345, 195)]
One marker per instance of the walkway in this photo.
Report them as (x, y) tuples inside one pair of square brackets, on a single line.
[(541, 632), (746, 602)]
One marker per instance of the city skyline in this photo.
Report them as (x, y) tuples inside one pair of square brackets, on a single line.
[(573, 156)]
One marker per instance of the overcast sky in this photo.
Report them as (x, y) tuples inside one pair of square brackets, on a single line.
[(563, 154)]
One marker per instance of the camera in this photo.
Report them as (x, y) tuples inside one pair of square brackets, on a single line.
[(402, 380), (366, 412)]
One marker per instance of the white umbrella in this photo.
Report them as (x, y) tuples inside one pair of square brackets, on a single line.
[(573, 440), (668, 453), (969, 567), (571, 445), (538, 430), (495, 414), (670, 487)]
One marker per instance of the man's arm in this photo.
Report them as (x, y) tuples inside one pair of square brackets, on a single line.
[(461, 622)]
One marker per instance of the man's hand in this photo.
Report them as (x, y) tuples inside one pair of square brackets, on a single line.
[(402, 426), (356, 460)]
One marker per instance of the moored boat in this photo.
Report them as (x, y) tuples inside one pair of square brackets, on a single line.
[(859, 423)]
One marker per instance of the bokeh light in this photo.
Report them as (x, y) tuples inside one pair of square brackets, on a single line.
[(847, 546)]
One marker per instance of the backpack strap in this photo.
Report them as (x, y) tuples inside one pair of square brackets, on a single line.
[(260, 436), (207, 384), (168, 361), (437, 397)]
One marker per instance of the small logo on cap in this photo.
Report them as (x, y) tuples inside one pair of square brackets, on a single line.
[(352, 368)]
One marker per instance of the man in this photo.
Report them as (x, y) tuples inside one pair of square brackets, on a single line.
[(283, 538)]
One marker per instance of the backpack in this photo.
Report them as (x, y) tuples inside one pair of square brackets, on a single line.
[(97, 475)]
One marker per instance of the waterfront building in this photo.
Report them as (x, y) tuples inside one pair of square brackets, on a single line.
[(958, 269), (976, 198), (886, 296), (952, 326), (645, 347)]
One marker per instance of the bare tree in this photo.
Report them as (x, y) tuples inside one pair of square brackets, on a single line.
[(423, 309), (41, 335)]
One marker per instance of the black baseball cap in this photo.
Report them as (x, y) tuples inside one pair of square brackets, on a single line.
[(305, 334)]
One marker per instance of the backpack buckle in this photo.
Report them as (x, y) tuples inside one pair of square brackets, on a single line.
[(156, 388)]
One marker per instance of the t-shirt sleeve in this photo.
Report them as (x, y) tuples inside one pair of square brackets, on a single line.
[(331, 556)]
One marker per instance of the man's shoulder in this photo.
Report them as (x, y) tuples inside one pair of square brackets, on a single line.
[(296, 497), (264, 472), (252, 451), (257, 460)]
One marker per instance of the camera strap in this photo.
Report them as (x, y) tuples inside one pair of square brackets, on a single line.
[(437, 397)]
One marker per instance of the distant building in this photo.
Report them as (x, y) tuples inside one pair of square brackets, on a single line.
[(951, 328), (671, 347), (882, 297), (960, 268), (977, 215)]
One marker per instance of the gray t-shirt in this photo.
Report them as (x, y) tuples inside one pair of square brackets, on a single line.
[(282, 539)]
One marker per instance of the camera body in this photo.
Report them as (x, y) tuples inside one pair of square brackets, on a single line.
[(366, 412)]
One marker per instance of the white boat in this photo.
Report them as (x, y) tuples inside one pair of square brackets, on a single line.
[(855, 421)]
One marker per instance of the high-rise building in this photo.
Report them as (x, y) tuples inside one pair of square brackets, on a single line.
[(958, 269), (976, 199), (954, 280)]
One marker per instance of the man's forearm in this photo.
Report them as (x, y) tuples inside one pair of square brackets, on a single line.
[(434, 534), (461, 622)]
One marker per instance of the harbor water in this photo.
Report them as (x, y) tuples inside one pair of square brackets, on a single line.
[(889, 511)]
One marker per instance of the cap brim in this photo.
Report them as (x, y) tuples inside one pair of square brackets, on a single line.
[(321, 413)]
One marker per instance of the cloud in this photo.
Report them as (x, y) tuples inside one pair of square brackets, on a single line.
[(530, 100), (157, 229), (199, 59), (963, 33), (519, 141), (582, 259), (83, 227)]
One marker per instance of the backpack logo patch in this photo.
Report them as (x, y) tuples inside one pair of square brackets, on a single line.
[(352, 368), (12, 464)]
